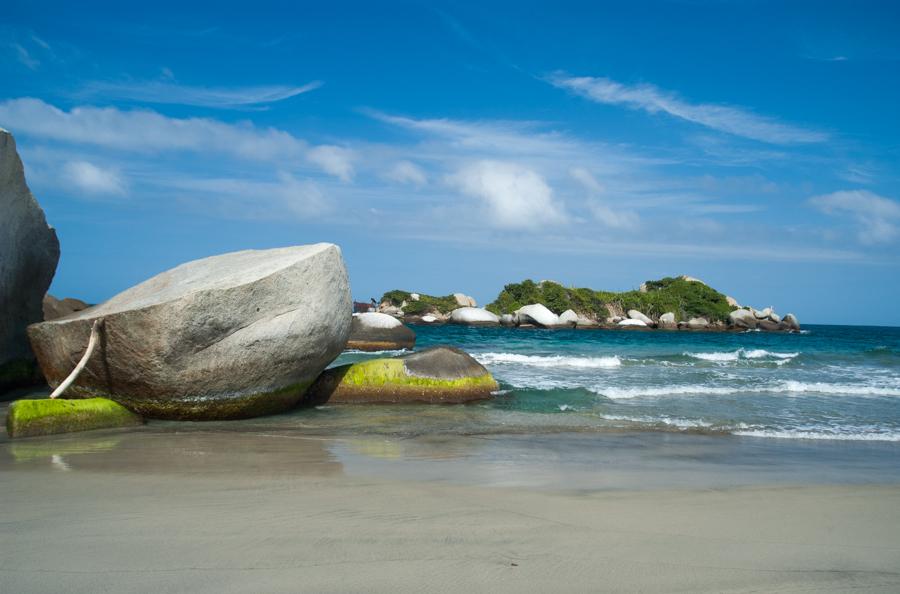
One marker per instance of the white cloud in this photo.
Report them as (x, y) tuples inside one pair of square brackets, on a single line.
[(334, 160), (652, 99), (169, 92), (516, 197), (92, 179), (877, 217), (144, 130), (407, 172)]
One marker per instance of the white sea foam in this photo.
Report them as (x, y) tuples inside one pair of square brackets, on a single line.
[(384, 352), (677, 422), (742, 354), (790, 387), (566, 407), (548, 361), (874, 435)]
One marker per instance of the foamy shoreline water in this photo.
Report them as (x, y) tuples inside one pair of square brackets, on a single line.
[(838, 383)]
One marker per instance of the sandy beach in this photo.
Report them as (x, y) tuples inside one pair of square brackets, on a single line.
[(237, 510)]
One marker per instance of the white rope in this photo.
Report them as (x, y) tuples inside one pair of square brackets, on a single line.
[(92, 342)]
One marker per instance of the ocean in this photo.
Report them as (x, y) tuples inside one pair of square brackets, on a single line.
[(827, 382)]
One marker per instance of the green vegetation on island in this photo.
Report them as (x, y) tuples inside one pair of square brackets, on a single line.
[(685, 298), (424, 305)]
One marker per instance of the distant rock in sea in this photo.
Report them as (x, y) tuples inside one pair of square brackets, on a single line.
[(379, 332)]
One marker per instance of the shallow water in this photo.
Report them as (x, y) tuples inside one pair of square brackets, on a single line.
[(828, 382)]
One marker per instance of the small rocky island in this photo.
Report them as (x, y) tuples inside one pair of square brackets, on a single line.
[(671, 303)]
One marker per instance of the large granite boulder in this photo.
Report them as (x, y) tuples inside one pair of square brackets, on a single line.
[(231, 336), (538, 315), (29, 252), (434, 375), (379, 332), (743, 318), (59, 308), (474, 316)]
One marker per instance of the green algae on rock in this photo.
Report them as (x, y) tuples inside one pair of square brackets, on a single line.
[(28, 418), (435, 375)]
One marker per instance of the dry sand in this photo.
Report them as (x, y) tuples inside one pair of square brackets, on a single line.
[(117, 512)]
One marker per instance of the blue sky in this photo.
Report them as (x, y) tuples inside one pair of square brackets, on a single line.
[(460, 146)]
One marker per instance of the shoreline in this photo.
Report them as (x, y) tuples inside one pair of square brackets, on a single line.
[(211, 510)]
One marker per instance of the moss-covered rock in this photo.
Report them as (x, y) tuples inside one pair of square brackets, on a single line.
[(27, 418), (435, 375)]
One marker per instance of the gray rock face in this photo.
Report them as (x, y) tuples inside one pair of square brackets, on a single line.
[(473, 316), (742, 318), (29, 251), (379, 332), (586, 322), (636, 315), (508, 320), (231, 336), (464, 300)]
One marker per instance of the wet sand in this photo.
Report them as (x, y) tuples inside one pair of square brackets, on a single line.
[(228, 509)]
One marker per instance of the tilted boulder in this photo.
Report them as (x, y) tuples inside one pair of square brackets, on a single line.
[(538, 315), (742, 318), (434, 375), (474, 316), (769, 326), (29, 252), (762, 314), (231, 336), (379, 332), (508, 320), (636, 315)]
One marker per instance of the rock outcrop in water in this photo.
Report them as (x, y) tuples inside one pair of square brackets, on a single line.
[(374, 331), (231, 336), (434, 375), (672, 303), (29, 252)]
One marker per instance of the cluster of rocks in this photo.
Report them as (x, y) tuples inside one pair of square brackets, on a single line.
[(767, 319)]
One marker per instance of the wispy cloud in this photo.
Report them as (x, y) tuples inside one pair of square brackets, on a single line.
[(24, 57), (877, 218), (407, 172), (170, 92), (148, 131), (94, 180), (515, 196), (649, 98)]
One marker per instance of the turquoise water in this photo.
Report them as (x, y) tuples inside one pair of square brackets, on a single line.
[(828, 382)]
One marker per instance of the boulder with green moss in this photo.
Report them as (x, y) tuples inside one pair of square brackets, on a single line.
[(434, 375), (29, 418)]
